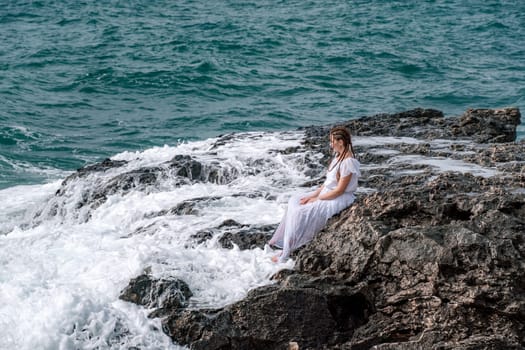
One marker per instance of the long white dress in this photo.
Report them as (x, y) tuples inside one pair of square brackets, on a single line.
[(301, 222)]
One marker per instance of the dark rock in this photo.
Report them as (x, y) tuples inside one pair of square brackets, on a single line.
[(164, 295), (97, 193), (186, 166), (214, 172), (201, 237), (207, 234), (449, 265), (223, 140), (129, 180), (247, 238), (488, 125), (105, 165), (187, 207), (290, 150), (182, 169), (425, 259), (230, 223), (419, 123), (482, 125), (231, 232), (271, 317)]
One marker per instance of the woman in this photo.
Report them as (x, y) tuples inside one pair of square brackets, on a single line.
[(306, 215)]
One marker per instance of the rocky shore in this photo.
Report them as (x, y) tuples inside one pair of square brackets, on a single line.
[(430, 256)]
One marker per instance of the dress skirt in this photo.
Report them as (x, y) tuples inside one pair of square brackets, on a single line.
[(301, 222)]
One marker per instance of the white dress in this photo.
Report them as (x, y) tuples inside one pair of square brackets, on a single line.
[(301, 222)]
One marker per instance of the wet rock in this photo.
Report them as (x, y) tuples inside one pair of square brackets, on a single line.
[(201, 237), (148, 230), (163, 295), (131, 179), (254, 194), (96, 193), (187, 207), (290, 150), (105, 165), (232, 232), (482, 125), (181, 170), (207, 234), (429, 257), (230, 223), (187, 167), (247, 238), (223, 140)]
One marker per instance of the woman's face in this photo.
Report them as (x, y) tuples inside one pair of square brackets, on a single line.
[(337, 145)]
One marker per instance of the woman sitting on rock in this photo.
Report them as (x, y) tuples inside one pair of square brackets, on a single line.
[(308, 213)]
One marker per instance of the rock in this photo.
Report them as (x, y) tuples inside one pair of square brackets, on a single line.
[(187, 207), (247, 238), (230, 223), (163, 295), (231, 232), (488, 125), (426, 258), (187, 167), (419, 123), (271, 317), (105, 165), (204, 235), (181, 170)]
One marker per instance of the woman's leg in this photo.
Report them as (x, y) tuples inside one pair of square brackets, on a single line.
[(285, 234), (278, 236)]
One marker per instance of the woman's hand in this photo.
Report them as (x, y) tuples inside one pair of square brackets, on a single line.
[(312, 197), (306, 200)]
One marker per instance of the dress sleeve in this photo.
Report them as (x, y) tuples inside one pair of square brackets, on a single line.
[(349, 166)]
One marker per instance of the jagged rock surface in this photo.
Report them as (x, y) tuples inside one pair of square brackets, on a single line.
[(162, 295), (243, 236), (180, 170), (425, 258)]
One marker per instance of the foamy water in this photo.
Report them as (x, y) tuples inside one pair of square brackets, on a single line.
[(62, 270), (61, 274)]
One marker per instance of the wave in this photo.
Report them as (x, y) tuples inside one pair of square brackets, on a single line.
[(75, 243)]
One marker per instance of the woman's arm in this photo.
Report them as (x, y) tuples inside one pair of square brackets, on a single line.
[(338, 190), (314, 195)]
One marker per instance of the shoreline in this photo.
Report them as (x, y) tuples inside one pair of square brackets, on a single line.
[(427, 259)]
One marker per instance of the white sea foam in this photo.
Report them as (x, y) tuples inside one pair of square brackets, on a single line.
[(384, 152), (371, 141), (18, 202), (379, 145), (60, 276), (445, 164)]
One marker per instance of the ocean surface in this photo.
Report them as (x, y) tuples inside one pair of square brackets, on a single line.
[(142, 81), (85, 80)]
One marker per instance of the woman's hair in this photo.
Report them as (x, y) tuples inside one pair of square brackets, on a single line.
[(342, 133)]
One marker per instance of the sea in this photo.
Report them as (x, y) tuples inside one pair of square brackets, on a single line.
[(143, 81)]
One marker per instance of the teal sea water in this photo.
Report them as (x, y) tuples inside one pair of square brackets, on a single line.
[(84, 80)]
